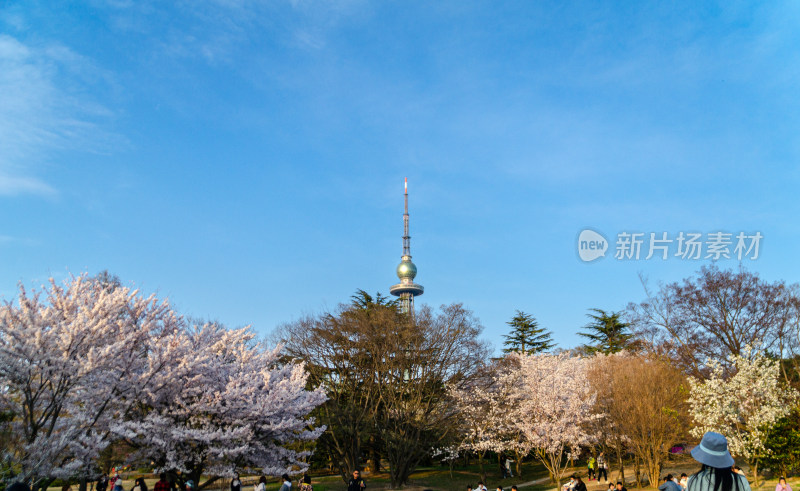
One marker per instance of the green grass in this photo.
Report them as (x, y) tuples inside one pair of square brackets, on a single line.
[(439, 479)]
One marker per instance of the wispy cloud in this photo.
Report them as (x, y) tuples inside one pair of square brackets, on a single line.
[(44, 109)]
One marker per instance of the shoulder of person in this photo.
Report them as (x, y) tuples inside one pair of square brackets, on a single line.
[(743, 480)]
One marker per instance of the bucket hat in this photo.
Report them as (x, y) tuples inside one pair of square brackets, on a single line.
[(713, 451)]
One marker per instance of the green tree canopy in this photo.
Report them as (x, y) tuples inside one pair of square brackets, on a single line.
[(526, 336), (783, 443), (364, 301), (607, 333)]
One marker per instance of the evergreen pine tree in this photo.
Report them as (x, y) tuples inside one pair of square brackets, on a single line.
[(526, 336), (607, 333)]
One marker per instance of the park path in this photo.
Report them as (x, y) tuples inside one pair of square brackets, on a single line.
[(533, 483)]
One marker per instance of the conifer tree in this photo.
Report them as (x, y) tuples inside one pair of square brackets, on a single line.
[(526, 336), (607, 333)]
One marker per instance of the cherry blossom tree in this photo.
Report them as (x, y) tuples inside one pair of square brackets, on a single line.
[(72, 358), (449, 454), (92, 363), (228, 402), (489, 408), (742, 407), (554, 406), (485, 411)]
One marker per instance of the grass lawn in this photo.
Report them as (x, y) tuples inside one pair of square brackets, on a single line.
[(534, 478)]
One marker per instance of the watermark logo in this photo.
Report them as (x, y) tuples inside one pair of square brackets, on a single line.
[(634, 246), (591, 245)]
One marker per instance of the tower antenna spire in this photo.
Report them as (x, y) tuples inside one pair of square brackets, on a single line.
[(406, 270), (406, 236)]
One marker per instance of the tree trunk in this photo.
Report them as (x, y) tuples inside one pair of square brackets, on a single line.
[(654, 467), (82, 484), (618, 449), (518, 463), (480, 465), (375, 460), (754, 466), (375, 463), (42, 484), (637, 471)]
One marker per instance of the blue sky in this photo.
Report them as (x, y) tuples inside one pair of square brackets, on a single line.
[(246, 158)]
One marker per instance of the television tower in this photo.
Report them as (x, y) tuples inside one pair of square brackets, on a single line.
[(406, 270)]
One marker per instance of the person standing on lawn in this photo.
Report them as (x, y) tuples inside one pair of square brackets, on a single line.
[(602, 467), (236, 484), (356, 483)]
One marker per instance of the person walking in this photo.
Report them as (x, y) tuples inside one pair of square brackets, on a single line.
[(356, 483), (590, 464), (236, 483), (602, 467), (716, 472), (262, 484), (139, 484)]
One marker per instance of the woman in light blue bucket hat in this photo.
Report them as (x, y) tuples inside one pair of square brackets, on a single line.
[(716, 474)]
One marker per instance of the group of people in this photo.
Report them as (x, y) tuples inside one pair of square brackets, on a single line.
[(718, 471), (286, 483), (505, 466), (481, 487), (672, 483), (598, 467), (115, 484)]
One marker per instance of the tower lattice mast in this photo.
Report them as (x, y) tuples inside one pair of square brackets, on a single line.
[(406, 270)]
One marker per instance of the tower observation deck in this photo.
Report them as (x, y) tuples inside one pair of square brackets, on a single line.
[(406, 270)]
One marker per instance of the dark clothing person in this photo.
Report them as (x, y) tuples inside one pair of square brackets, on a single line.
[(161, 485), (580, 485), (19, 486), (356, 484), (670, 485), (236, 484), (102, 483)]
